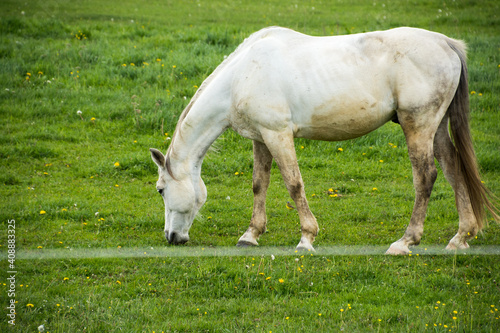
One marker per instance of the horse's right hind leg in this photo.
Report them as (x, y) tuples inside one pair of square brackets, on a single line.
[(444, 151), (261, 175)]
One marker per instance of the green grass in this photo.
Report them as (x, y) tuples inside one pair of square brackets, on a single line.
[(79, 56)]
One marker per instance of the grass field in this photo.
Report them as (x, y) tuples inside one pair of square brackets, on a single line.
[(90, 250)]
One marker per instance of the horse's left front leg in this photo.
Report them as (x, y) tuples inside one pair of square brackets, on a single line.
[(261, 175), (282, 148)]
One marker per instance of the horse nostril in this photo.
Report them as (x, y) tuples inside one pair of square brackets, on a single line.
[(172, 238)]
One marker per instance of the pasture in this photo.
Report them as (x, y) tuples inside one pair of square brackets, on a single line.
[(90, 249)]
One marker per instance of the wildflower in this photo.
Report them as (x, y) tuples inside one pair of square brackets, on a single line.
[(40, 73), (118, 282), (268, 278), (39, 247), (319, 314), (341, 310), (381, 161), (375, 189), (117, 164), (236, 173), (472, 92), (42, 212), (92, 119), (272, 257), (124, 65), (41, 328), (132, 64), (281, 280), (29, 305), (158, 59), (340, 149)]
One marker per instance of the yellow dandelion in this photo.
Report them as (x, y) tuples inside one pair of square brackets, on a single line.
[(319, 314), (375, 189), (472, 92), (381, 161), (341, 310), (340, 149), (117, 281), (65, 279), (42, 212), (268, 278), (281, 280), (39, 247), (29, 305), (117, 164)]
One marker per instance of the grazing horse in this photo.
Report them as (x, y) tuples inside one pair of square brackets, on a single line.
[(280, 84)]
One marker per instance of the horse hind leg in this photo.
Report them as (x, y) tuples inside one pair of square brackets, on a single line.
[(445, 153), (261, 175), (420, 149)]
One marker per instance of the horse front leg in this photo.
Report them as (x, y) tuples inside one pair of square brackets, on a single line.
[(261, 175), (282, 148)]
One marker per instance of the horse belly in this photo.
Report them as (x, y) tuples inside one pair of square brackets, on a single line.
[(330, 122)]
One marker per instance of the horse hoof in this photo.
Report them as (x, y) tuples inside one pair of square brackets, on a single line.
[(397, 250), (459, 246), (245, 244)]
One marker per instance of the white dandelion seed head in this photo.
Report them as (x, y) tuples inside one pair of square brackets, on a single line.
[(78, 112), (272, 257), (41, 328)]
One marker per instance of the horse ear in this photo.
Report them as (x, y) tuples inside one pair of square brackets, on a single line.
[(157, 157)]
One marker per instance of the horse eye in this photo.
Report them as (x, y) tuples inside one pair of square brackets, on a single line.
[(160, 190)]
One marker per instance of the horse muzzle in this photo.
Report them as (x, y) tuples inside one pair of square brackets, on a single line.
[(176, 239)]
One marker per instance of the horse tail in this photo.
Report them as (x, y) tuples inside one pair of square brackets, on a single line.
[(467, 166)]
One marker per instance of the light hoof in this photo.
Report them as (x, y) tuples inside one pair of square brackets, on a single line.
[(305, 245), (243, 243), (398, 250), (460, 246)]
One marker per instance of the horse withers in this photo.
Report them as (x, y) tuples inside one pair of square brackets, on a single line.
[(280, 84)]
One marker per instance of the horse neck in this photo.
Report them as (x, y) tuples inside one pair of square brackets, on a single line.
[(197, 130)]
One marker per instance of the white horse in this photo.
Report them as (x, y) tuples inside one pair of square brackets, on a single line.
[(280, 84)]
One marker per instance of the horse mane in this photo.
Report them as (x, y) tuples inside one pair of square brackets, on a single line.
[(177, 132)]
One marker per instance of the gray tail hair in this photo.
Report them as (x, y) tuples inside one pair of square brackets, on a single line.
[(480, 197)]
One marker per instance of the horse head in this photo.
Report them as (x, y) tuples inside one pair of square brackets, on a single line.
[(183, 196)]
